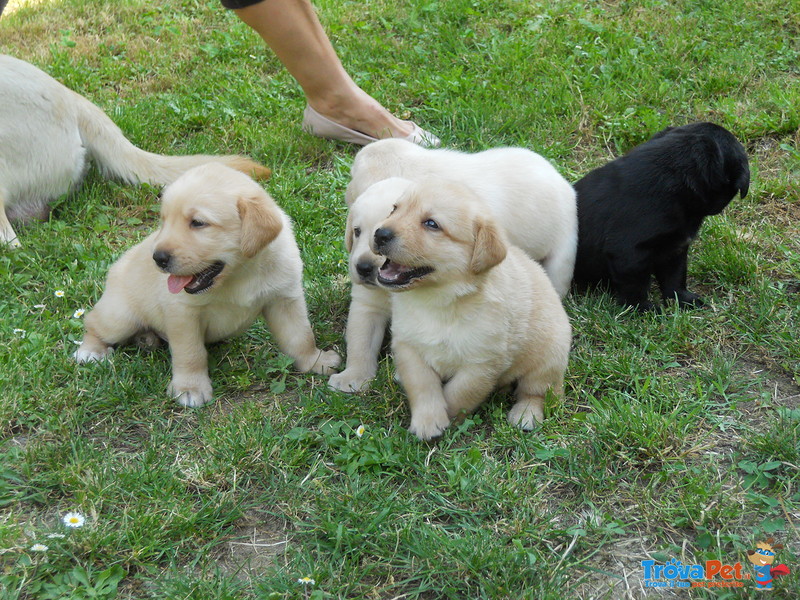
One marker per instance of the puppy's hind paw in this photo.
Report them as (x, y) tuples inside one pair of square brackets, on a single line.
[(324, 362), (147, 340), (429, 424), (86, 354)]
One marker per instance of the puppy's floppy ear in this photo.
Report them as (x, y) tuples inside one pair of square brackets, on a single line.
[(738, 167), (348, 233), (261, 222), (704, 169), (490, 246), (743, 181)]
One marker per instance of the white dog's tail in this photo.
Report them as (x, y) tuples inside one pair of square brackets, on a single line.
[(120, 159)]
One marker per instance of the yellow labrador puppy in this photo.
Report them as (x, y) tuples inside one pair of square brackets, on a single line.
[(224, 254), (469, 312), (49, 135), (522, 191)]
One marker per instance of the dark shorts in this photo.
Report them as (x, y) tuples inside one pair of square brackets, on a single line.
[(238, 3)]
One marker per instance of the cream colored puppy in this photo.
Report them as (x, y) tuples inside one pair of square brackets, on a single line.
[(224, 254), (520, 189), (369, 304), (469, 312), (48, 136), (523, 193)]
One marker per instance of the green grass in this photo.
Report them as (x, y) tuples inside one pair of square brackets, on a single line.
[(678, 437)]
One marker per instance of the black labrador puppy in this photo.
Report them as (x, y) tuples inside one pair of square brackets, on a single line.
[(638, 214)]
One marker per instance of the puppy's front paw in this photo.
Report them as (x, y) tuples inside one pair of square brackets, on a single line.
[(689, 299), (350, 380), (191, 391), (322, 362), (643, 307), (526, 414), (429, 422), (89, 353)]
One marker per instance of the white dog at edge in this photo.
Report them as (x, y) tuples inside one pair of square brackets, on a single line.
[(520, 190), (49, 134)]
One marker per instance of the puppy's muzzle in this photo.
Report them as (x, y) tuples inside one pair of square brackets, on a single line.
[(191, 283), (382, 238)]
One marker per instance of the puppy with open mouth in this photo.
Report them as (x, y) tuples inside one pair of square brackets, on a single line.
[(469, 312), (521, 190), (223, 255)]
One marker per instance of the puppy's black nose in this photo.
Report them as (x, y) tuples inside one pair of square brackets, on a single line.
[(162, 258), (383, 236), (365, 269)]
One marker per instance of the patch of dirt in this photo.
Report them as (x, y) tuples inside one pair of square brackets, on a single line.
[(617, 574), (256, 544), (767, 151), (782, 392)]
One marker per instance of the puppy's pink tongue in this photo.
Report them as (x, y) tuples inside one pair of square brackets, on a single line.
[(176, 283)]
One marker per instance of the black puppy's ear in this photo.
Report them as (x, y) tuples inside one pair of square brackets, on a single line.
[(743, 178), (743, 185), (708, 174), (737, 166)]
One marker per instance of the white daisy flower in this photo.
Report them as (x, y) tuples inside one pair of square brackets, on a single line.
[(56, 536), (39, 548), (78, 313), (20, 332), (361, 430), (39, 306), (59, 293), (73, 519), (306, 581)]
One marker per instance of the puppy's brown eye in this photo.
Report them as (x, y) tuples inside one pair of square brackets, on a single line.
[(196, 224), (431, 224), (356, 231)]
